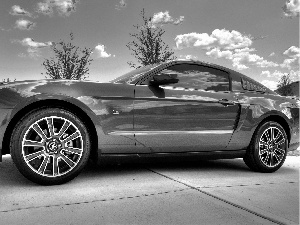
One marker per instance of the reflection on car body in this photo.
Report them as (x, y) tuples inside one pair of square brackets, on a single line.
[(52, 127)]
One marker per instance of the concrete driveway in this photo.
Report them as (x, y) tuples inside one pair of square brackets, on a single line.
[(157, 192)]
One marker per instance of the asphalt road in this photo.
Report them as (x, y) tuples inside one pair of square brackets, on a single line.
[(157, 192)]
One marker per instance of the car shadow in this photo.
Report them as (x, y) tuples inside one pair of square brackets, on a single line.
[(108, 168)]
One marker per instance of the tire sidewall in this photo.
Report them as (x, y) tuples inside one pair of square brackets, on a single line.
[(17, 151)]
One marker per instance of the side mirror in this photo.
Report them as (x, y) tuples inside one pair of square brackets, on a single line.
[(164, 79)]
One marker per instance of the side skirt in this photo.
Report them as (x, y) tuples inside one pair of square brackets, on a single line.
[(186, 155)]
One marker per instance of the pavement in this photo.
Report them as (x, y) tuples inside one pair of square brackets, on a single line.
[(155, 192)]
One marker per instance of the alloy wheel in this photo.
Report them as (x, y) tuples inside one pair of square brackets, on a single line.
[(52, 146), (272, 146)]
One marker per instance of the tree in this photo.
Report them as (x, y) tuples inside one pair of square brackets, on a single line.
[(147, 46), (69, 61), (283, 85)]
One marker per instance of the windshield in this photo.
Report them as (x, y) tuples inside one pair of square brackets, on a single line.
[(127, 78)]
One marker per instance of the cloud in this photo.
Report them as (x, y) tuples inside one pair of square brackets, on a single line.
[(44, 8), (63, 7), (122, 4), (241, 58), (291, 8), (231, 45), (272, 54), (217, 53), (295, 75), (258, 38), (33, 47), (290, 63), (270, 84), (101, 53), (16, 10), (162, 18), (3, 29), (188, 57), (276, 74), (23, 24), (266, 73), (231, 40), (293, 62), (194, 40), (292, 52), (33, 44), (218, 38)]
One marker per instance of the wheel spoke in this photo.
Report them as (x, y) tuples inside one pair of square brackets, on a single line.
[(77, 151), (44, 165), (280, 142), (55, 166), (41, 133), (64, 128), (271, 159), (67, 160), (263, 151), (50, 126), (267, 158), (32, 156), (262, 143), (267, 135), (33, 143), (272, 133), (71, 137), (277, 136), (278, 157), (280, 150)]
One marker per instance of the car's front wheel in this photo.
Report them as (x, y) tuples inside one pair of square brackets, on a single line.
[(268, 148), (50, 146)]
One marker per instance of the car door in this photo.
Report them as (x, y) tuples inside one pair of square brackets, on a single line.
[(186, 107)]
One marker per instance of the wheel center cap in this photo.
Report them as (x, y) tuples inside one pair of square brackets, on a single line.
[(53, 146)]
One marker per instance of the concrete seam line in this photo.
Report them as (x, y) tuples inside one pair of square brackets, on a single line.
[(98, 200), (221, 199), (247, 185)]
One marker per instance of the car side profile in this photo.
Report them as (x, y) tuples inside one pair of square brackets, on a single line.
[(52, 128)]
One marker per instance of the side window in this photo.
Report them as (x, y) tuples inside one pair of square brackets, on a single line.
[(196, 77), (236, 83)]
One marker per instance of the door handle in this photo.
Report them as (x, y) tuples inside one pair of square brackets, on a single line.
[(226, 102)]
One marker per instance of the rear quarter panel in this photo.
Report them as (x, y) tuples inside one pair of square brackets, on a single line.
[(256, 107)]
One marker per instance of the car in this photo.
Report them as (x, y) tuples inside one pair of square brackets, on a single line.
[(53, 128)]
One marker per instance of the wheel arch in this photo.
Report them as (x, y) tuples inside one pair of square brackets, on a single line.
[(53, 103), (279, 119)]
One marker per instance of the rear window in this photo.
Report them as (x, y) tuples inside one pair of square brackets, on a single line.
[(250, 85)]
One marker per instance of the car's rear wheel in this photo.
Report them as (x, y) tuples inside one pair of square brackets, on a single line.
[(50, 146), (268, 148)]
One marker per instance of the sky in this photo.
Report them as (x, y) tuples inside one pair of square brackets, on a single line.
[(259, 38)]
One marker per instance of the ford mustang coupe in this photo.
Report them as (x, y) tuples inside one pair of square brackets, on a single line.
[(52, 128)]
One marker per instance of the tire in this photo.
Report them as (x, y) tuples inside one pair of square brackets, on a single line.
[(268, 148), (50, 146)]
